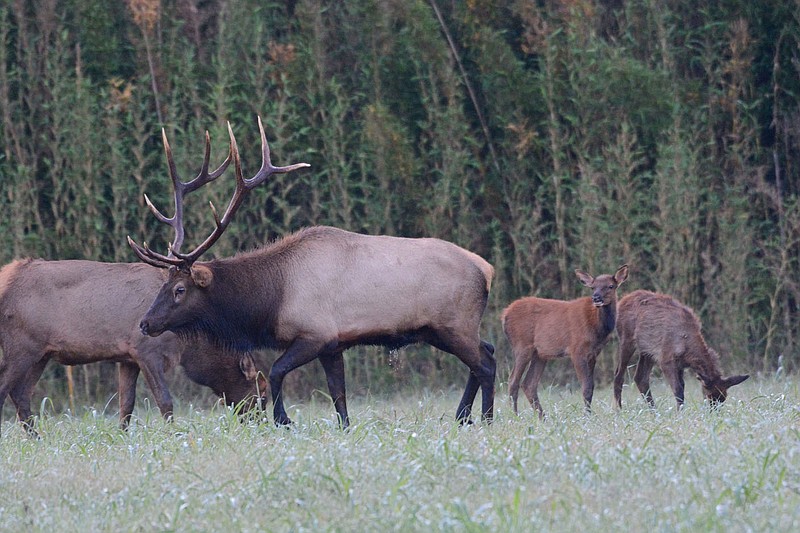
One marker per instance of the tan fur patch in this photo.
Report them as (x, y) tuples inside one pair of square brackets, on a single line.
[(9, 272)]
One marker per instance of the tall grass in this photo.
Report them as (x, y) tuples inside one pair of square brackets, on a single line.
[(405, 465)]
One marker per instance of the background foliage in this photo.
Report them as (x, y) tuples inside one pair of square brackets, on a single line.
[(545, 135)]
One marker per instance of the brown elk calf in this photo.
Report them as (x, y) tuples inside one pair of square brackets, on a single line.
[(664, 331), (540, 330)]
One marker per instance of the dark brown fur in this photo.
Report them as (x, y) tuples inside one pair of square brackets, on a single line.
[(322, 290), (540, 330), (79, 312), (662, 330)]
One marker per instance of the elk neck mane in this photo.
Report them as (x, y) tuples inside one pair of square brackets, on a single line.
[(606, 316), (706, 363), (9, 273), (247, 302), (287, 245)]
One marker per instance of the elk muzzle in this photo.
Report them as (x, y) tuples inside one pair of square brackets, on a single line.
[(147, 329)]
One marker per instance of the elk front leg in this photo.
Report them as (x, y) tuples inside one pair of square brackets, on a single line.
[(674, 377), (300, 352), (156, 379), (625, 353), (585, 370), (642, 378), (680, 389), (333, 365), (21, 395), (14, 367)]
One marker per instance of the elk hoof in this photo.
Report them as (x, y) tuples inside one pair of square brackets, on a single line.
[(284, 421)]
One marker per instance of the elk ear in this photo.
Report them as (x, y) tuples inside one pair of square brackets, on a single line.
[(735, 380), (248, 366), (585, 278), (202, 275), (621, 274)]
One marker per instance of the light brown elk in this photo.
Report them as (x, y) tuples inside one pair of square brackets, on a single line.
[(664, 331), (540, 330), (79, 312), (322, 290)]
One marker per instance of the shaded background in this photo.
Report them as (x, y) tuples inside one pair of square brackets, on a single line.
[(544, 135)]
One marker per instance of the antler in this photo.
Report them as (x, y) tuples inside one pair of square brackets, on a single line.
[(181, 189), (243, 187)]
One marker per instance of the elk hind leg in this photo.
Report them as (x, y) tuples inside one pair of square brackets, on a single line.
[(642, 378), (522, 358), (478, 355), (530, 386), (333, 365)]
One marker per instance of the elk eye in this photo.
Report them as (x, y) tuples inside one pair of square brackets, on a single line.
[(179, 290)]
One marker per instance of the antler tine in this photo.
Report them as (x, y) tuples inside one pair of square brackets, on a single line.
[(150, 257), (243, 187), (176, 220), (205, 176), (153, 209), (267, 168)]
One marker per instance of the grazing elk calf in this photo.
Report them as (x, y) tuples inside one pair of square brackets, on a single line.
[(664, 331), (540, 330), (322, 290), (79, 312)]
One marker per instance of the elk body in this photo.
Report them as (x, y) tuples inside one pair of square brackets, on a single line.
[(79, 312), (322, 290), (664, 331), (540, 330)]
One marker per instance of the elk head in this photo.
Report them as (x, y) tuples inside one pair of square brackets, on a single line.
[(604, 288), (716, 390), (180, 299)]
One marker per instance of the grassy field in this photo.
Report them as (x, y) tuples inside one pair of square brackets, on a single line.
[(406, 466)]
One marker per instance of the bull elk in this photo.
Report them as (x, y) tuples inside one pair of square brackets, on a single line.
[(321, 290), (662, 330), (540, 330), (79, 312)]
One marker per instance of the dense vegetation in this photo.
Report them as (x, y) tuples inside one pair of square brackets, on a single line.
[(545, 135)]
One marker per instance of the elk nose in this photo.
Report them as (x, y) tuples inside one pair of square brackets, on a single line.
[(144, 327)]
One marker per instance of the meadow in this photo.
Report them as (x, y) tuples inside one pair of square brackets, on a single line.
[(405, 465)]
